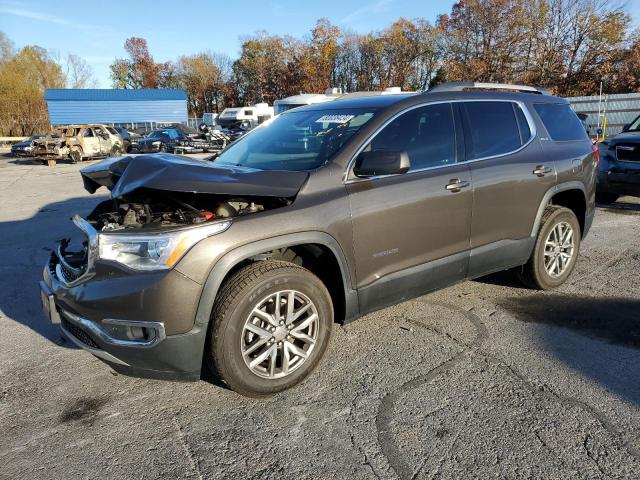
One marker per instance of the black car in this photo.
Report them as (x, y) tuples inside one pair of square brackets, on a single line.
[(619, 170), (23, 149), (163, 140)]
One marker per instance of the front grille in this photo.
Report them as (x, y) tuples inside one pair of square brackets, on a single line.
[(628, 153), (79, 333), (68, 274)]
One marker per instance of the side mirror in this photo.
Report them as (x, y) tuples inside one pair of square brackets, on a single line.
[(625, 128), (381, 162)]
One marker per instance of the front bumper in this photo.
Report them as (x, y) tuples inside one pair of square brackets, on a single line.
[(620, 182), (87, 310)]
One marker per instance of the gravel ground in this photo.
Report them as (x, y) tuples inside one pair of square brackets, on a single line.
[(482, 380)]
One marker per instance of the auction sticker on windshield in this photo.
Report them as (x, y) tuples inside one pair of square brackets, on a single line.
[(334, 118)]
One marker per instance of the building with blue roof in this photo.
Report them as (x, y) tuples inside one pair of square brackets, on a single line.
[(130, 108)]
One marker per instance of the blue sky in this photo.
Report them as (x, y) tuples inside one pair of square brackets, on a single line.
[(96, 31)]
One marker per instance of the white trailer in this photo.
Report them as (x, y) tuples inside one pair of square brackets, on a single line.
[(247, 117)]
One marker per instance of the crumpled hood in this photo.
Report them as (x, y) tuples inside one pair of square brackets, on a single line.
[(174, 173)]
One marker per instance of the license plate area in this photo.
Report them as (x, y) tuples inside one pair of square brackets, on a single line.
[(49, 304)]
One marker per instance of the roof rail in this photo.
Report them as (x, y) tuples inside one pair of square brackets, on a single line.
[(460, 86)]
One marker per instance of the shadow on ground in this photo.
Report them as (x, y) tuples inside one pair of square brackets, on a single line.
[(623, 208), (26, 246), (612, 320)]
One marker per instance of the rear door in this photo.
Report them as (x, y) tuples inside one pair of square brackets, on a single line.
[(411, 232), (510, 178), (567, 143), (90, 142)]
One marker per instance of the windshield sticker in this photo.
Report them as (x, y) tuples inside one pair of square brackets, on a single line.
[(334, 118)]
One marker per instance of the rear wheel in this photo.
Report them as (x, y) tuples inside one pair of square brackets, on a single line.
[(556, 250), (115, 151), (270, 327)]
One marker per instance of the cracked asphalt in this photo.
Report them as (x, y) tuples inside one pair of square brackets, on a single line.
[(485, 379)]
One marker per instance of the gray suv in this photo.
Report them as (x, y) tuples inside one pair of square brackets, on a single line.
[(238, 267)]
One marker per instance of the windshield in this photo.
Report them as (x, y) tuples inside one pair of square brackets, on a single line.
[(635, 125), (158, 134), (296, 140)]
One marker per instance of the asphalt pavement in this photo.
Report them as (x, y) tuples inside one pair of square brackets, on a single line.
[(485, 379)]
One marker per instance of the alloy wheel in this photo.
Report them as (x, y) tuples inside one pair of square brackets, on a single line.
[(279, 334), (559, 249)]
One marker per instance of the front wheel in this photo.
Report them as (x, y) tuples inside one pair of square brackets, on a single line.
[(270, 327), (556, 250), (75, 155)]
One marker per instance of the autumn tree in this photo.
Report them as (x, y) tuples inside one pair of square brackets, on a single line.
[(140, 70), (23, 80), (262, 72), (204, 77)]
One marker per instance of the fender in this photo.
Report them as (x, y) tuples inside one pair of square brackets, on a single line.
[(573, 185), (237, 255)]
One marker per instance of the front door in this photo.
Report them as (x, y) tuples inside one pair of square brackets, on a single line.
[(510, 178), (411, 231)]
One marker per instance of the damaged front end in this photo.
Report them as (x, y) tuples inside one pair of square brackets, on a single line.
[(160, 206)]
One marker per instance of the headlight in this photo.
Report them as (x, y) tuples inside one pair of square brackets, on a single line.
[(156, 143), (27, 149), (158, 251)]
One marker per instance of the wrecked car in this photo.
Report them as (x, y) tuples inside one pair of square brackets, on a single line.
[(77, 143), (237, 268), (208, 140)]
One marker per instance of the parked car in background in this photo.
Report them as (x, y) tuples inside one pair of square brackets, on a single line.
[(129, 139), (330, 211), (23, 149), (77, 143), (162, 140), (619, 171)]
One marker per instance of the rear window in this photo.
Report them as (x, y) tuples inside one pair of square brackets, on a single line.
[(491, 129), (561, 122)]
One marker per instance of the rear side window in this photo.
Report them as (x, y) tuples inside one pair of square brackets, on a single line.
[(491, 129), (561, 122), (426, 133)]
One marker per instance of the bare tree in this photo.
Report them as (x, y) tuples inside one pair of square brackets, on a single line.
[(78, 73)]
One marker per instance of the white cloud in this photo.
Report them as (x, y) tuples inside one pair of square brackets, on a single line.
[(17, 11), (377, 7)]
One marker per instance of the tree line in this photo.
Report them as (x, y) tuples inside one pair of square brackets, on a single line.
[(569, 46)]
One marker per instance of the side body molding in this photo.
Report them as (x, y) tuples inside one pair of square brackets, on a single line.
[(237, 255)]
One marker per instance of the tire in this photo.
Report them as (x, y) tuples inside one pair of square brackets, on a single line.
[(115, 151), (163, 148), (127, 147), (536, 272), (75, 155), (249, 288), (606, 198)]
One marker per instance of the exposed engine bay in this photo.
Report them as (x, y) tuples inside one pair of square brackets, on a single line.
[(150, 209)]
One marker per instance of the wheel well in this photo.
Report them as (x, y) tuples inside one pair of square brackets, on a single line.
[(318, 259), (573, 200)]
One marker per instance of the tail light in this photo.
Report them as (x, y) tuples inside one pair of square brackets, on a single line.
[(596, 153)]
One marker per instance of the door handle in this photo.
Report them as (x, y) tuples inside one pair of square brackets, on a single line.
[(455, 185), (541, 170)]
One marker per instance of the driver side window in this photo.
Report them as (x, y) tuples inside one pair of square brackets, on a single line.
[(426, 133), (87, 133)]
